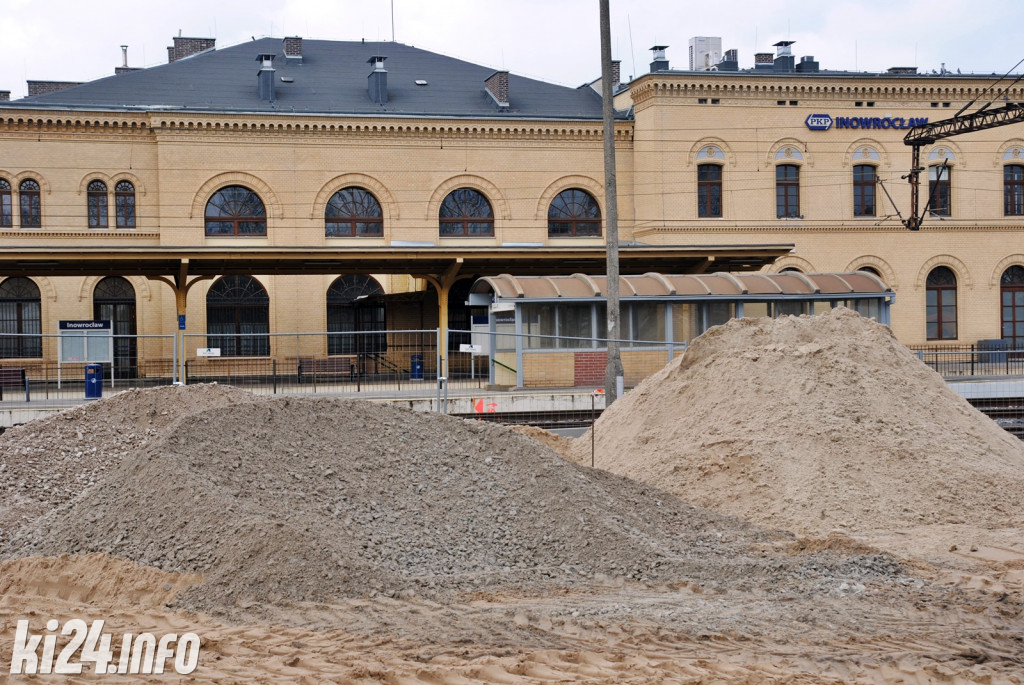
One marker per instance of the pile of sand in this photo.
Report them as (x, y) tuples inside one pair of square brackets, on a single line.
[(812, 424), (49, 461), (282, 500)]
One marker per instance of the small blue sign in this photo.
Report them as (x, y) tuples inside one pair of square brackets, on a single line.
[(181, 322), (819, 122)]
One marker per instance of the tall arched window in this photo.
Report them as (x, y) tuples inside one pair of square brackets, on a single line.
[(353, 212), (787, 190), (97, 201), (1013, 190), (113, 299), (1012, 293), (466, 212), (863, 190), (574, 212), (124, 204), (31, 204), (20, 319), (355, 325), (709, 190), (939, 194), (238, 317), (235, 210), (940, 304), (6, 213)]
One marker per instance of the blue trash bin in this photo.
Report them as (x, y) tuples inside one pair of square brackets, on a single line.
[(416, 367), (93, 381)]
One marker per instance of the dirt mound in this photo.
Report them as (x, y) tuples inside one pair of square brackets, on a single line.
[(305, 499), (558, 443), (49, 461), (813, 424)]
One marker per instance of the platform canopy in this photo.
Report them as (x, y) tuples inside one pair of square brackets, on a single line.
[(721, 285)]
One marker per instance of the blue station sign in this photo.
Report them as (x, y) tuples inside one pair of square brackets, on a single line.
[(823, 122)]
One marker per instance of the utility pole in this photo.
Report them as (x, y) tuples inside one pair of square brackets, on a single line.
[(613, 374)]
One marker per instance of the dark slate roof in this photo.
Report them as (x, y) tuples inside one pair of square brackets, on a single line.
[(331, 79)]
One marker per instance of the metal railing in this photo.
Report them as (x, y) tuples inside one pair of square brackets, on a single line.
[(956, 361)]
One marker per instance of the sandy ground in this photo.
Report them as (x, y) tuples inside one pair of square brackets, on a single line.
[(955, 620)]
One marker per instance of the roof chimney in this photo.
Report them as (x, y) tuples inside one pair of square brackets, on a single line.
[(5, 95), (46, 87), (497, 87), (293, 50), (124, 68), (266, 76), (763, 61), (783, 55), (186, 47), (616, 73), (807, 64), (377, 81), (660, 62)]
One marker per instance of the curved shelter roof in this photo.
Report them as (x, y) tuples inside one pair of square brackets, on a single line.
[(719, 285)]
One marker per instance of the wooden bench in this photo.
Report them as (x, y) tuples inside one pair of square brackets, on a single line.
[(341, 365)]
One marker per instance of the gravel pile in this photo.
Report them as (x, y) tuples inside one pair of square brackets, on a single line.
[(282, 500), (47, 462)]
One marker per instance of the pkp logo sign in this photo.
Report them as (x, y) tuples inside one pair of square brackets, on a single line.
[(819, 122)]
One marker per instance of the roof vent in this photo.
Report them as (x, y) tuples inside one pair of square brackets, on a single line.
[(660, 62), (266, 76), (807, 65), (377, 81)]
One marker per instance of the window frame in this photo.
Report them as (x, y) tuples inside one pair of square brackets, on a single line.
[(248, 295), (577, 208), (353, 326), (353, 220), (31, 204), (26, 341), (96, 204), (6, 204), (1013, 190), (863, 190), (944, 295), (705, 192), (784, 187), (235, 219), (940, 189), (124, 204), (460, 199)]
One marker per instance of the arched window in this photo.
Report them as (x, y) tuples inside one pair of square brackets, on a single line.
[(238, 317), (124, 204), (940, 304), (466, 212), (870, 269), (20, 319), (863, 190), (353, 212), (787, 190), (354, 324), (1013, 190), (97, 200), (235, 210), (6, 214), (1012, 293), (940, 201), (709, 190), (574, 212), (113, 299), (31, 204)]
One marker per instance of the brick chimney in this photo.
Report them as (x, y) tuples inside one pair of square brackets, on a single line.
[(46, 87), (5, 95), (497, 87), (616, 73), (293, 50), (186, 47)]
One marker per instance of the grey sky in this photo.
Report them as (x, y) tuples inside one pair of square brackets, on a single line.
[(553, 40)]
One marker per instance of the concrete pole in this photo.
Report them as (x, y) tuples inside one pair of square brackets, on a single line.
[(613, 370)]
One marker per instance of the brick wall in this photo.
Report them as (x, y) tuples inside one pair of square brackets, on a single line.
[(588, 368)]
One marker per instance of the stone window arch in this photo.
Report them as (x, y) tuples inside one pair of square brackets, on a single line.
[(574, 212)]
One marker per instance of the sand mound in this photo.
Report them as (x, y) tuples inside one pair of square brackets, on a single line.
[(558, 443), (49, 461), (283, 500), (813, 424)]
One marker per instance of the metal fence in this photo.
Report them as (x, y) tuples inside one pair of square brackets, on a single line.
[(955, 361)]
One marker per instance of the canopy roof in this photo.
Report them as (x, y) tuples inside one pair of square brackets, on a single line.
[(668, 287)]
